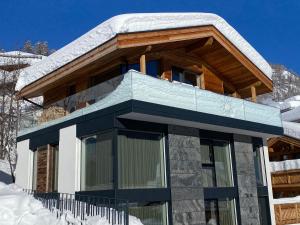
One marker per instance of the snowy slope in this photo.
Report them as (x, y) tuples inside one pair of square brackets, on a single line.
[(136, 23), (19, 208)]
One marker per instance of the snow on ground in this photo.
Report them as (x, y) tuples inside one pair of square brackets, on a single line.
[(19, 208), (139, 22), (4, 166)]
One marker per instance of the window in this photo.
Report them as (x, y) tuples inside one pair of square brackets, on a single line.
[(45, 168), (96, 162), (152, 68), (34, 174), (141, 160), (264, 213), (150, 213), (220, 212), (257, 155), (185, 76), (54, 172), (216, 163)]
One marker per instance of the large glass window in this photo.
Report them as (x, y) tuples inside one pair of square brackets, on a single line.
[(220, 212), (152, 68), (141, 161), (216, 163), (54, 172), (96, 162), (150, 213), (257, 155)]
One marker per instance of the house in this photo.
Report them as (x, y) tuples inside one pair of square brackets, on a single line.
[(284, 156), (158, 109)]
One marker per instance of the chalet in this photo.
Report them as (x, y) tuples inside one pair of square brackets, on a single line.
[(158, 109)]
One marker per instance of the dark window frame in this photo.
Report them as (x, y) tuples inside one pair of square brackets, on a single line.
[(221, 193)]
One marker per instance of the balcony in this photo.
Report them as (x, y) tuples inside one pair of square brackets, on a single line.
[(136, 86)]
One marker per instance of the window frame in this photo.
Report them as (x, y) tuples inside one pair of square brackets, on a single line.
[(116, 166), (112, 155), (221, 193)]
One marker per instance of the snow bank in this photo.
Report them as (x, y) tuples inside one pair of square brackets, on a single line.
[(128, 23), (285, 165), (19, 208)]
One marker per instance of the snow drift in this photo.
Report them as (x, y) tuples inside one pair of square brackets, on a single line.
[(19, 208), (138, 22)]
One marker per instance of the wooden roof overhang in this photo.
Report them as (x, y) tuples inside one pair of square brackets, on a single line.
[(288, 144), (196, 47)]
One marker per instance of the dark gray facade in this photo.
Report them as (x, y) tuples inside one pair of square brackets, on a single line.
[(246, 181)]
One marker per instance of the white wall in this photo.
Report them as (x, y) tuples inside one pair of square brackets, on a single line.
[(69, 160), (24, 168), (269, 181)]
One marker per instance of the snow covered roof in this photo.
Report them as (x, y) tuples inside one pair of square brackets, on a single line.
[(291, 115), (19, 57), (139, 22), (291, 129)]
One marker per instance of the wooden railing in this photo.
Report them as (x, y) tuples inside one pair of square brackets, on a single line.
[(287, 214)]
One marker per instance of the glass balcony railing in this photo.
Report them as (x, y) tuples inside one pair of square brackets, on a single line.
[(32, 115), (136, 86)]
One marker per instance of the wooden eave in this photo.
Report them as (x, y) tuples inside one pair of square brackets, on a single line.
[(131, 43), (272, 142)]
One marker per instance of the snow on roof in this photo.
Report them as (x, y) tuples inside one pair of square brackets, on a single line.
[(291, 129), (291, 115), (139, 22), (19, 57)]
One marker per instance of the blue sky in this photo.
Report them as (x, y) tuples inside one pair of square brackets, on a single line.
[(271, 26)]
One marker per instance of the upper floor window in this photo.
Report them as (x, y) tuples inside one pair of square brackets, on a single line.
[(141, 160), (152, 68), (184, 76), (216, 163), (96, 162)]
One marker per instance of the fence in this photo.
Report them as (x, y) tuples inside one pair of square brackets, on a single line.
[(82, 206)]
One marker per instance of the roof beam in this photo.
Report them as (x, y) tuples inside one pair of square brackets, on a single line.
[(202, 44), (197, 61)]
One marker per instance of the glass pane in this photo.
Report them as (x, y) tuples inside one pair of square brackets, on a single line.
[(206, 154), (211, 212), (264, 211), (190, 78), (258, 166), (140, 160), (55, 168), (227, 212), (223, 164), (208, 176), (96, 165), (150, 214), (34, 175)]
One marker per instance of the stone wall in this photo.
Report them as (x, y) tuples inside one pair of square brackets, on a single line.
[(246, 180), (185, 172)]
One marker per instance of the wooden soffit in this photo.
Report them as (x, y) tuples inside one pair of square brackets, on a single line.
[(123, 44)]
